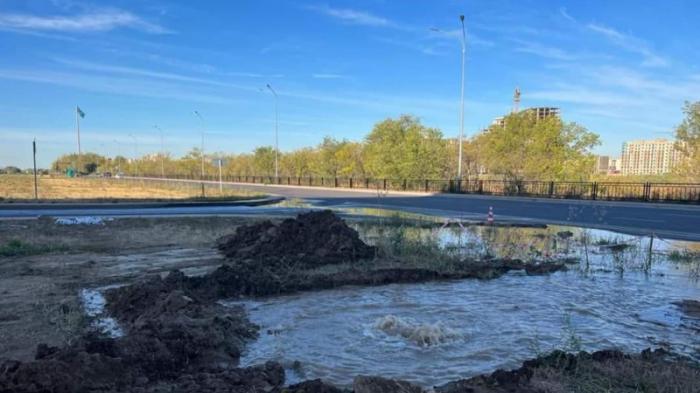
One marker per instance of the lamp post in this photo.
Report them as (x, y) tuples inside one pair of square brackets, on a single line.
[(461, 105), (119, 166), (202, 143), (276, 132), (136, 153), (162, 152)]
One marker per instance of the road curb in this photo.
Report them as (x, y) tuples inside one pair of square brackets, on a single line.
[(136, 205)]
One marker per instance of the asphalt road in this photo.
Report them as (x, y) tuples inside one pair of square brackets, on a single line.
[(673, 221), (669, 221)]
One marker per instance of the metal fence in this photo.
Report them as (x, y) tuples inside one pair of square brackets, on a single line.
[(611, 191)]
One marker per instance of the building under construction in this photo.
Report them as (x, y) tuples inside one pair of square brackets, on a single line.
[(542, 112)]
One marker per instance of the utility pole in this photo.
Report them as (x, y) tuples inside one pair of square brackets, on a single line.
[(136, 153), (119, 166), (36, 186), (276, 133), (162, 152), (461, 105), (221, 184), (78, 115), (201, 176), (202, 144)]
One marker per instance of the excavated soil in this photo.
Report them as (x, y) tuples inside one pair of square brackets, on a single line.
[(312, 239), (690, 307)]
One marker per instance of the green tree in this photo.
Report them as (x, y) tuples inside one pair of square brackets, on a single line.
[(86, 164), (349, 158), (298, 162), (264, 161), (688, 137), (404, 149), (326, 162), (528, 147)]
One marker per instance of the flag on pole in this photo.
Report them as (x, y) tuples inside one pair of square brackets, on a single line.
[(80, 113)]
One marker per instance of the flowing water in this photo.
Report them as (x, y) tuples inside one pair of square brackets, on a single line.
[(432, 333)]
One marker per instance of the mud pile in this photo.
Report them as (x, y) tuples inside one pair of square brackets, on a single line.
[(606, 370), (173, 342), (311, 239)]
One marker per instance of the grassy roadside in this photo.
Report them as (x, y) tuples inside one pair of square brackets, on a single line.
[(20, 188)]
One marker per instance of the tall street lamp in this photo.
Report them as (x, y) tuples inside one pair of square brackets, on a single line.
[(461, 116), (276, 132), (162, 151), (202, 146), (136, 154), (119, 166)]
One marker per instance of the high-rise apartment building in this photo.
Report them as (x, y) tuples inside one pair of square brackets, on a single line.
[(602, 164), (649, 157), (615, 166), (540, 112)]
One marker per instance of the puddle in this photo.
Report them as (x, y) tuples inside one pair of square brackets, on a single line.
[(469, 327), (82, 220), (94, 305), (204, 260)]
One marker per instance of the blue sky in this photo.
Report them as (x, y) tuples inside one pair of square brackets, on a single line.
[(621, 68)]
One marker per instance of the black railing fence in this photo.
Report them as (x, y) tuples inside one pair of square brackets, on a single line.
[(612, 191)]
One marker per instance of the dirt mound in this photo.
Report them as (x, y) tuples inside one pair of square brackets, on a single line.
[(76, 370), (312, 239), (173, 342), (690, 307), (606, 370)]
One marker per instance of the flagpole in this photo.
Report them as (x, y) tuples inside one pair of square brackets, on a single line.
[(77, 122)]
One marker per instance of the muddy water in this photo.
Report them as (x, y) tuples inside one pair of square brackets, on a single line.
[(436, 332)]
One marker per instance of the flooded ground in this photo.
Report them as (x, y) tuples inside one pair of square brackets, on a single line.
[(432, 333), (618, 292)]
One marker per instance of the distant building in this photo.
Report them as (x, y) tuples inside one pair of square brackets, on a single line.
[(544, 112), (649, 157), (615, 166), (602, 164), (151, 157), (540, 112)]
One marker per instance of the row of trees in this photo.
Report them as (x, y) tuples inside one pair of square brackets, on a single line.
[(523, 147), (403, 148)]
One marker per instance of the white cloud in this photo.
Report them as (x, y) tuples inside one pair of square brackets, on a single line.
[(548, 52), (105, 20), (456, 34), (141, 87), (353, 16), (582, 95), (563, 13), (327, 76), (630, 44), (122, 70)]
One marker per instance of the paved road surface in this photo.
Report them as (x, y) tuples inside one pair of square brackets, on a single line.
[(664, 220)]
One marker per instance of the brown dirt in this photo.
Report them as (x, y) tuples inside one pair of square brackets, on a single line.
[(602, 371), (690, 307), (39, 293), (299, 255), (311, 239)]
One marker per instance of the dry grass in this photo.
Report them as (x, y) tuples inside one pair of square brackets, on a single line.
[(630, 375), (21, 187)]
